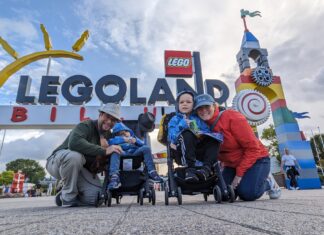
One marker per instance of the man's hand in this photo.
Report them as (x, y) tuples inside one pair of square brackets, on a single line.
[(173, 146), (113, 148), (236, 181)]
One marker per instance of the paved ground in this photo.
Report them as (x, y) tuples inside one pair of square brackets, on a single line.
[(297, 212)]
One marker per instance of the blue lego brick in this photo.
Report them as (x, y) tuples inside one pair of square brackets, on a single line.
[(291, 145), (288, 127), (307, 163), (307, 183)]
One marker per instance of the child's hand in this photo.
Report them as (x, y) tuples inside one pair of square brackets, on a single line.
[(236, 181), (128, 140), (132, 140)]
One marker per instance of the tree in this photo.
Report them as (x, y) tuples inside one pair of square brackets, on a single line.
[(269, 135), (318, 151), (6, 177), (30, 168)]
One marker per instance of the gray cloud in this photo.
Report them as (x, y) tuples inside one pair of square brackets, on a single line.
[(34, 148)]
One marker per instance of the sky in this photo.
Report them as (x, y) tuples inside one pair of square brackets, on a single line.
[(128, 39)]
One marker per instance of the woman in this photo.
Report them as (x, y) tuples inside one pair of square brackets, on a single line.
[(186, 147), (246, 161)]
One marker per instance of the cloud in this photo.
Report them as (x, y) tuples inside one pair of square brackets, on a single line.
[(18, 29), (38, 147), (11, 136)]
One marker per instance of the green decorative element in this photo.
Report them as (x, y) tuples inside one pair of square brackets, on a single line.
[(282, 116), (193, 126), (245, 13)]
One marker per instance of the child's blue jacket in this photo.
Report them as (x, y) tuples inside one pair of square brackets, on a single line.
[(119, 140), (178, 123)]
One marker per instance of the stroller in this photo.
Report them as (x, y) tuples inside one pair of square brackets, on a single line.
[(215, 185), (134, 179)]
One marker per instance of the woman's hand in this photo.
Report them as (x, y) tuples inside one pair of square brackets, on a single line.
[(188, 121), (113, 148), (236, 181), (173, 146)]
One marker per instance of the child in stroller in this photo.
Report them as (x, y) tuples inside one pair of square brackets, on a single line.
[(132, 146), (190, 140), (125, 172)]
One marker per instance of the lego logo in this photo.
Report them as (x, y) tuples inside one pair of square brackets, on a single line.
[(178, 62)]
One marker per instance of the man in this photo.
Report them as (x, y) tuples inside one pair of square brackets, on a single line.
[(289, 162), (80, 149)]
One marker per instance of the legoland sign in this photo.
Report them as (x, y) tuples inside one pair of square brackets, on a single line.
[(42, 111)]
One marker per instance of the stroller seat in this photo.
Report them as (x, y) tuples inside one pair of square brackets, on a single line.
[(193, 188), (176, 185)]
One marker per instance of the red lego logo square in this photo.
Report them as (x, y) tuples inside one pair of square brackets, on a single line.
[(178, 64)]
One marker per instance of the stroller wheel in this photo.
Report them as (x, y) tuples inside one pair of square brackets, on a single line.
[(153, 197), (166, 194), (179, 196), (141, 196), (205, 197), (231, 193), (217, 194), (109, 198)]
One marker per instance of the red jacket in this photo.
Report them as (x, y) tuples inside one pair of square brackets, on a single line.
[(240, 149)]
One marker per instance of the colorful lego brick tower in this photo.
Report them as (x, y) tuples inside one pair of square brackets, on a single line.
[(287, 130)]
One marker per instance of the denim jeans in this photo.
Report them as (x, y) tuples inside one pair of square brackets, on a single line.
[(254, 182), (144, 151)]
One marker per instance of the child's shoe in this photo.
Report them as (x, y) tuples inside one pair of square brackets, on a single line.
[(155, 177), (191, 176), (114, 182), (203, 173)]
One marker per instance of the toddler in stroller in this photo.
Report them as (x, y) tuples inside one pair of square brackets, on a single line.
[(125, 173), (190, 139)]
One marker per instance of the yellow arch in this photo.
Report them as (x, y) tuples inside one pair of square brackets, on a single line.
[(25, 60)]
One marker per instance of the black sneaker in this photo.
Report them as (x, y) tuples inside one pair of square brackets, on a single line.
[(73, 203), (203, 173), (191, 177), (155, 177), (58, 200)]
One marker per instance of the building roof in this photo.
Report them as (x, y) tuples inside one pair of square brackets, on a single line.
[(249, 41)]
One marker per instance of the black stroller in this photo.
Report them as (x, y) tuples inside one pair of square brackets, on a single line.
[(134, 181), (215, 185)]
